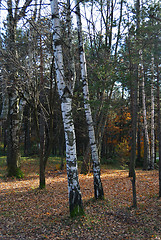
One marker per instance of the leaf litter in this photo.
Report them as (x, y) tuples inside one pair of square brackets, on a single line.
[(27, 212)]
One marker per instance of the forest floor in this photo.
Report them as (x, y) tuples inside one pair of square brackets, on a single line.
[(27, 212)]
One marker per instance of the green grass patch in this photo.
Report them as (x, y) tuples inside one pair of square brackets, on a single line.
[(3, 166), (2, 161)]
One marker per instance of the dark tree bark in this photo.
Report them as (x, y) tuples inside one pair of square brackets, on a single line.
[(134, 90), (27, 130), (14, 118), (133, 94)]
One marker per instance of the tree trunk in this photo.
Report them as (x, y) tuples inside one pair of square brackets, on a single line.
[(13, 156), (42, 164), (147, 159), (139, 126), (119, 27), (27, 129), (98, 189), (85, 167), (159, 127), (65, 90), (14, 118), (133, 94), (134, 189), (152, 119), (75, 201), (134, 125)]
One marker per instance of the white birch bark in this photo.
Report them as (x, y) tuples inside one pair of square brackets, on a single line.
[(98, 189), (65, 92), (147, 165), (152, 118)]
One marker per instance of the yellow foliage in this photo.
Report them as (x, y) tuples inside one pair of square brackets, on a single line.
[(123, 150), (58, 166)]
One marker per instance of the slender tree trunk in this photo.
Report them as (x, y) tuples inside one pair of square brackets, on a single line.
[(139, 85), (107, 23), (138, 142), (134, 126), (134, 189), (134, 90), (27, 129), (159, 127), (139, 126), (152, 119), (65, 91), (98, 189), (42, 165), (133, 148), (147, 159), (42, 123), (85, 167), (119, 28), (111, 26)]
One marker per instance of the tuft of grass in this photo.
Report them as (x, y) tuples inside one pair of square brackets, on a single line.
[(16, 172), (2, 161), (77, 211)]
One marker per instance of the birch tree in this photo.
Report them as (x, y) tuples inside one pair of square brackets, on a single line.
[(65, 90), (152, 118), (98, 189), (159, 126), (103, 65), (147, 158)]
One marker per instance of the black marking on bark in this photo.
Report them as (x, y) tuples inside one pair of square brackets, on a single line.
[(98, 189), (66, 92), (81, 48), (70, 138), (72, 164), (54, 16), (57, 42), (75, 203)]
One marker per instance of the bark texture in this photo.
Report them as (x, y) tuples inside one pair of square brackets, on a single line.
[(147, 146), (152, 119), (13, 119), (15, 108), (98, 189), (13, 156), (65, 90), (159, 127)]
